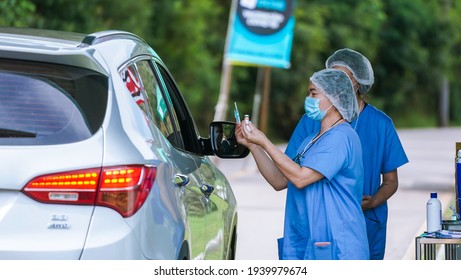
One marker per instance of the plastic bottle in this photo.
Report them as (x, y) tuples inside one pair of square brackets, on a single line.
[(458, 182), (434, 214)]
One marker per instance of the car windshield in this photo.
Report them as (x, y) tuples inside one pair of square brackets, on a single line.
[(42, 104)]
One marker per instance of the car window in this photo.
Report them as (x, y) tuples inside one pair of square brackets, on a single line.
[(133, 84), (42, 103), (180, 110), (146, 91)]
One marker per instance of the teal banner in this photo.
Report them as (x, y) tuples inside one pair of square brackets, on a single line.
[(261, 33)]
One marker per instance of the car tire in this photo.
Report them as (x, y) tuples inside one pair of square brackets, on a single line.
[(184, 252), (233, 246)]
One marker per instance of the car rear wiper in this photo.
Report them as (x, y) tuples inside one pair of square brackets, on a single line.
[(10, 133)]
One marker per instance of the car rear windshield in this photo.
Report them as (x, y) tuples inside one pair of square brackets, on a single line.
[(42, 103)]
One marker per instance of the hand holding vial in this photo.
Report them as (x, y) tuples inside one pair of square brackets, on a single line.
[(248, 135), (246, 118)]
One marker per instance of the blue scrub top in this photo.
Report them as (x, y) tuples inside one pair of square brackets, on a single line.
[(382, 153), (324, 220)]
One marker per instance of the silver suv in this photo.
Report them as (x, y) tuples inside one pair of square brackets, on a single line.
[(100, 156)]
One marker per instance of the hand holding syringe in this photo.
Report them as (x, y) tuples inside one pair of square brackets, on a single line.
[(237, 118)]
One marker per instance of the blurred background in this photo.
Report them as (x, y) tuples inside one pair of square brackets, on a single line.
[(413, 45)]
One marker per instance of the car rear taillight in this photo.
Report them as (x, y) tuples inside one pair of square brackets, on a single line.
[(122, 188), (73, 187), (125, 188)]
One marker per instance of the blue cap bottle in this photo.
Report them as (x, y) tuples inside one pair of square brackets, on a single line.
[(434, 214)]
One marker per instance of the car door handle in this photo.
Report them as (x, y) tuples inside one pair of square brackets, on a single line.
[(207, 190), (181, 180)]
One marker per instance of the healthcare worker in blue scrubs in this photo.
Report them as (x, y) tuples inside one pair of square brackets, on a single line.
[(382, 150), (323, 215)]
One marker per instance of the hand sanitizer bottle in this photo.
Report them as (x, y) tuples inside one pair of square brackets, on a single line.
[(434, 214)]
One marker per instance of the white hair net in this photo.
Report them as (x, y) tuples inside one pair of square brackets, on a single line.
[(337, 87), (357, 63)]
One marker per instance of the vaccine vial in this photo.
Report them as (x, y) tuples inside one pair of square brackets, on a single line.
[(246, 119)]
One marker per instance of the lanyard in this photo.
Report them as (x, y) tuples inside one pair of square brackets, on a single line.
[(300, 156)]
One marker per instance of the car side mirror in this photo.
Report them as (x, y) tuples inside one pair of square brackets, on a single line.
[(224, 142)]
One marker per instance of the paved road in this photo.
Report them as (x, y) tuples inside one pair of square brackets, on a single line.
[(431, 169)]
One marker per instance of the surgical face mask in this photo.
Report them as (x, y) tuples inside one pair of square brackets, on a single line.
[(313, 111)]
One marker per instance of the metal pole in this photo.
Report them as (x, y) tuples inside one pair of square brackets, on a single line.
[(255, 117), (226, 74), (444, 102), (265, 100), (221, 106)]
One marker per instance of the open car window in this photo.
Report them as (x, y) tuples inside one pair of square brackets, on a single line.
[(146, 91)]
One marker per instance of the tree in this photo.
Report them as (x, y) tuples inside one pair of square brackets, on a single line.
[(189, 36), (412, 60), (16, 13), (321, 28), (88, 16), (414, 46)]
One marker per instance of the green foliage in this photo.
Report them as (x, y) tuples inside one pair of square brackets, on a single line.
[(451, 12), (16, 13), (189, 36), (321, 28), (88, 16), (410, 70), (413, 46)]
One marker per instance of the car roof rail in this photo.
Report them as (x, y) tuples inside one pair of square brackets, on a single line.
[(103, 36)]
